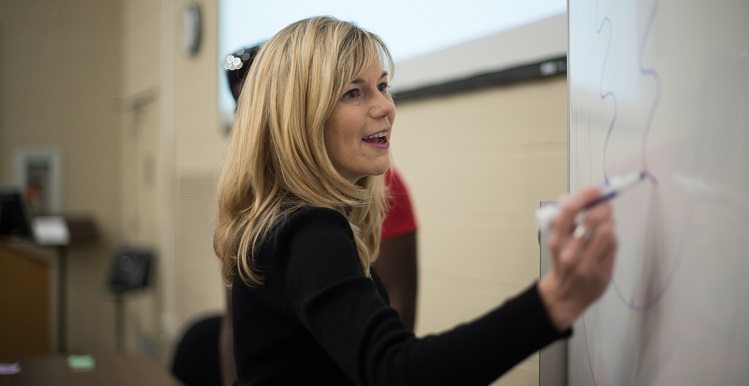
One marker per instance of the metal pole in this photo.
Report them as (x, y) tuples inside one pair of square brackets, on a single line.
[(119, 320), (61, 299)]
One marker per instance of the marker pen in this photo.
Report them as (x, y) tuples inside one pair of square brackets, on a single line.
[(616, 185)]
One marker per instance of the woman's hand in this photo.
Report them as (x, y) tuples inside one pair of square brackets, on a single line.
[(583, 256)]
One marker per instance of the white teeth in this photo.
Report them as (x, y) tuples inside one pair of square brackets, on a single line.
[(377, 135)]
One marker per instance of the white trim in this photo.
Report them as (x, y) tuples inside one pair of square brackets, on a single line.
[(531, 43)]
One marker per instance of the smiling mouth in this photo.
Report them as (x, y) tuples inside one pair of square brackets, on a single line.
[(380, 138), (377, 140)]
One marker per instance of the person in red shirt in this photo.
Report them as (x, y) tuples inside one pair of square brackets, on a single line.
[(397, 262)]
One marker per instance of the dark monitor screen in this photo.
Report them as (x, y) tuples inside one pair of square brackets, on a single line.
[(14, 220)]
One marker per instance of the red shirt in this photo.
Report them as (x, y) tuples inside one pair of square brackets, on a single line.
[(400, 216)]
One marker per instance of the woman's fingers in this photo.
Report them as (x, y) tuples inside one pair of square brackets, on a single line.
[(571, 206), (596, 215), (560, 240), (583, 249), (594, 255)]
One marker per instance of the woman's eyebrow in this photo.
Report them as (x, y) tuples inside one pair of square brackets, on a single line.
[(360, 80)]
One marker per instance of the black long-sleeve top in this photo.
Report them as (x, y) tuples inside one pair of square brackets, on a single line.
[(318, 320)]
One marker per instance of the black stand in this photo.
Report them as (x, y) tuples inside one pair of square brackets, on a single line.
[(130, 272), (61, 232), (119, 321), (62, 252)]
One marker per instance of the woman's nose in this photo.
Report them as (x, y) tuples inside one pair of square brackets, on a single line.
[(382, 106)]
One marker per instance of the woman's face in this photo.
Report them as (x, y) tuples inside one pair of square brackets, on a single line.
[(357, 133)]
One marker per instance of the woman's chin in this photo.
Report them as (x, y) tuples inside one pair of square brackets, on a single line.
[(381, 170)]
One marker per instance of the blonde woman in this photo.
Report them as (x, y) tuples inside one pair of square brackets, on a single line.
[(301, 204)]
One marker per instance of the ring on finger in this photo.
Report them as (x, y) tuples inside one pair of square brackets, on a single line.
[(582, 232)]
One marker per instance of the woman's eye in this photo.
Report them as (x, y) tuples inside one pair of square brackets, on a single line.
[(351, 94), (383, 87)]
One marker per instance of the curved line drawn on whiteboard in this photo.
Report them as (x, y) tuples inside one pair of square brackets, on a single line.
[(656, 295), (650, 72), (655, 286), (609, 93), (604, 94), (696, 185), (590, 361), (646, 72), (654, 107)]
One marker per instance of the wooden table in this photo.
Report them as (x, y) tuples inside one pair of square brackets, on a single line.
[(111, 368)]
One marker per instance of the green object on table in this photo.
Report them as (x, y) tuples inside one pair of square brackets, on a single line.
[(81, 362)]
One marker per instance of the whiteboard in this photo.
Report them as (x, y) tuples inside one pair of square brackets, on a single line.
[(663, 87)]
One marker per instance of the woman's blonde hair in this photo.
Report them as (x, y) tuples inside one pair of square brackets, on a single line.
[(276, 159)]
